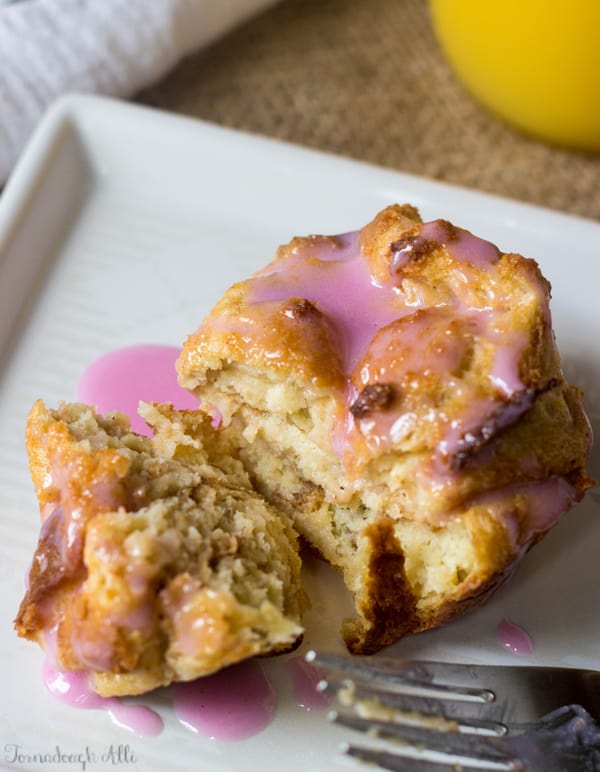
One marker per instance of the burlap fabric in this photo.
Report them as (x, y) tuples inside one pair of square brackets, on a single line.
[(366, 79)]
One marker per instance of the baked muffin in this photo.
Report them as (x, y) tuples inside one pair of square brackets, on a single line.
[(398, 392), (156, 561)]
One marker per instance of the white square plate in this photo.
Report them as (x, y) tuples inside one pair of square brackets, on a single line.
[(122, 225)]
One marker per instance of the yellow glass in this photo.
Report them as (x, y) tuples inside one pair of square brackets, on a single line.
[(536, 63)]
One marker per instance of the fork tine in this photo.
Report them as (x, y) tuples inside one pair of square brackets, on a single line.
[(367, 668), (364, 666), (419, 710), (397, 763), (544, 722), (349, 693), (397, 675), (404, 708), (453, 745)]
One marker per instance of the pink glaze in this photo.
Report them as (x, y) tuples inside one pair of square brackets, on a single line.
[(120, 379), (462, 244), (238, 702), (465, 429), (505, 370), (414, 344), (232, 704), (412, 348), (338, 282), (305, 678), (514, 638), (72, 688), (139, 719), (548, 499), (545, 501), (390, 330), (471, 419)]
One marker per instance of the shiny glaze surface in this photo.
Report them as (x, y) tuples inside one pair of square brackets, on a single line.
[(410, 335), (122, 378)]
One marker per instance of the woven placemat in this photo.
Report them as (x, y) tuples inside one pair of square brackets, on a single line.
[(368, 80)]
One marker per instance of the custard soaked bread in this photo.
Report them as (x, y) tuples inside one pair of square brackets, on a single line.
[(398, 392), (156, 561)]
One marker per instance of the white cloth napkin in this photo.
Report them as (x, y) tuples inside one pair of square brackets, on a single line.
[(112, 47)]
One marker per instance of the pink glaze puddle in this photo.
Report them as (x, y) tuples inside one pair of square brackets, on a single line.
[(232, 704), (514, 638), (120, 379), (305, 678), (72, 688), (139, 719)]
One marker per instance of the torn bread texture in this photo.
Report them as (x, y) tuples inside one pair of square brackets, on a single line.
[(398, 392), (157, 562), (393, 395)]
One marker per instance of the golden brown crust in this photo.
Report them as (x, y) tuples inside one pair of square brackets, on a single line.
[(291, 336), (49, 449), (64, 477), (377, 237), (421, 479), (396, 391), (157, 562), (385, 601)]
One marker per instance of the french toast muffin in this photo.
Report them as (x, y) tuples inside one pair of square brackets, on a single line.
[(398, 392), (156, 561)]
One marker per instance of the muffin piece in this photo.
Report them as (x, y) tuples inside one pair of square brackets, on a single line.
[(156, 560), (399, 393)]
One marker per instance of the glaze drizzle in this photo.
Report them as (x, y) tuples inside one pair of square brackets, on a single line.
[(231, 705), (400, 332)]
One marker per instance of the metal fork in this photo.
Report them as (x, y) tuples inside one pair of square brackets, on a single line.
[(444, 716)]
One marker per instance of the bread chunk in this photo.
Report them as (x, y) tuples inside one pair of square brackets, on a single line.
[(156, 562), (398, 392)]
